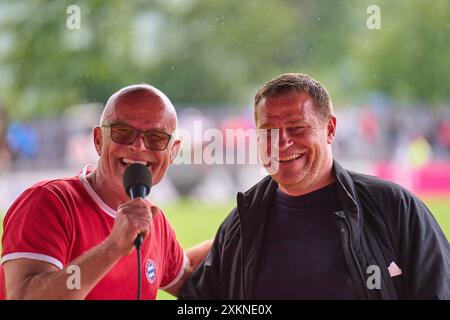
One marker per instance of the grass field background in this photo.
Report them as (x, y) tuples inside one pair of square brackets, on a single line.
[(195, 222)]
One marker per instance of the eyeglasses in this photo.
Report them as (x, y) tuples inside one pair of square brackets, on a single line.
[(125, 134)]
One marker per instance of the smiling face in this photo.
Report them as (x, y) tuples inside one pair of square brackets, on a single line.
[(304, 161), (143, 110)]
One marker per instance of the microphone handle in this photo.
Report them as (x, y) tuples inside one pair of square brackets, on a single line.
[(136, 191), (138, 241)]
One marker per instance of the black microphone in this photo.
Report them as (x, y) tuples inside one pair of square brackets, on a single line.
[(137, 181)]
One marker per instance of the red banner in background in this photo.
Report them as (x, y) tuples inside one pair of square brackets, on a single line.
[(432, 179)]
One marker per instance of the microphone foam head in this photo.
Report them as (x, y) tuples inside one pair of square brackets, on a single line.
[(137, 174)]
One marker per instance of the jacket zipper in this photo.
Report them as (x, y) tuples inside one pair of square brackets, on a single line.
[(352, 261)]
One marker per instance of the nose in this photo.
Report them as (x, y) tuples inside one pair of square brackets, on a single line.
[(138, 144), (284, 140)]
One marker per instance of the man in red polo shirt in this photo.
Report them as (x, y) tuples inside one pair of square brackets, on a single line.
[(85, 225)]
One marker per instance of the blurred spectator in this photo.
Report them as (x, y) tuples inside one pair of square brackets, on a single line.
[(23, 140), (444, 134), (77, 131), (419, 152), (369, 125), (395, 132)]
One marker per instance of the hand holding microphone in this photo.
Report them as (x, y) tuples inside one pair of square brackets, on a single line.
[(137, 182), (134, 216)]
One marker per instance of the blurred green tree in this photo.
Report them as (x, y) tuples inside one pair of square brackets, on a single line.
[(212, 53), (409, 58)]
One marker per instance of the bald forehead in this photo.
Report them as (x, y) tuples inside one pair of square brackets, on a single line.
[(139, 96)]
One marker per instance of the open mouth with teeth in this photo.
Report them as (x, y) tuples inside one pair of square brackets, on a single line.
[(127, 162), (291, 157)]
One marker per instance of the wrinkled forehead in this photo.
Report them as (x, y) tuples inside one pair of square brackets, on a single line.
[(284, 108)]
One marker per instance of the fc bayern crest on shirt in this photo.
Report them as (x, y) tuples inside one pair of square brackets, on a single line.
[(150, 270)]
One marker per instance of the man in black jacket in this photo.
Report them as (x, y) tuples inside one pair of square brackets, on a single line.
[(313, 230)]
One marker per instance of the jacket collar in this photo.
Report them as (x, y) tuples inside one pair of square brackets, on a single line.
[(348, 196), (261, 195), (346, 188)]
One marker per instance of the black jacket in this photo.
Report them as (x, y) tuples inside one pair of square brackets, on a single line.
[(380, 223)]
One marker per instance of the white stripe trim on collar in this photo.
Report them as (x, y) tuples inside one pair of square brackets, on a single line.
[(108, 210)]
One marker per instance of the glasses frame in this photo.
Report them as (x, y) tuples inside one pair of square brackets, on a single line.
[(138, 133)]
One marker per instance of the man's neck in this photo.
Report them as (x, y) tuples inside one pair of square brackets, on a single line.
[(105, 190), (300, 190)]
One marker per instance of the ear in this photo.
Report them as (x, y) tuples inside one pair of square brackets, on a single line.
[(98, 138), (331, 128), (174, 150)]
